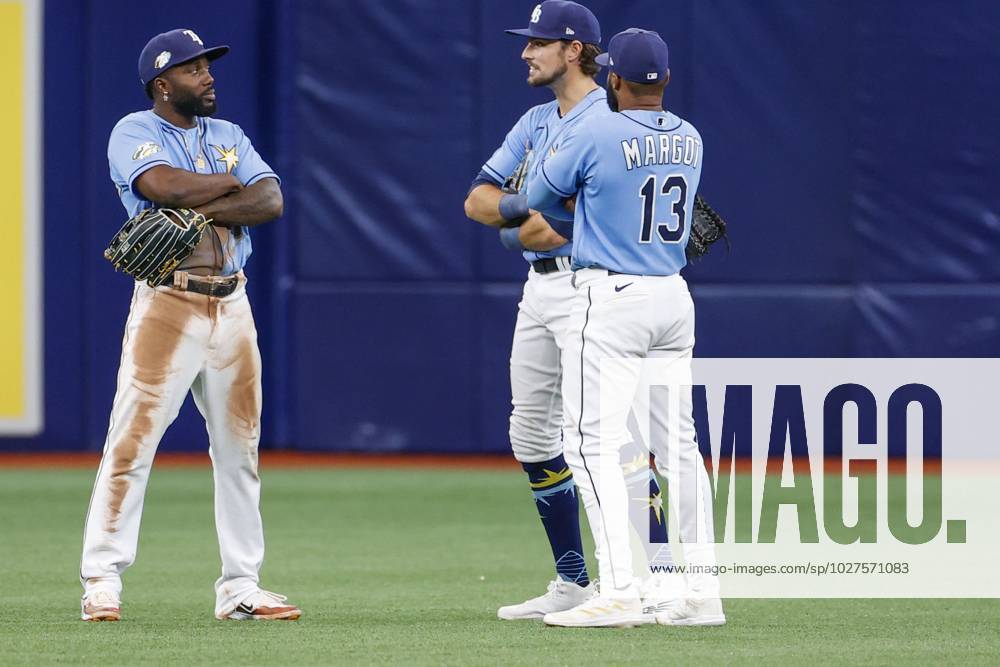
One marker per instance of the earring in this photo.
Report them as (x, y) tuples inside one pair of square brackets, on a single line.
[(164, 97)]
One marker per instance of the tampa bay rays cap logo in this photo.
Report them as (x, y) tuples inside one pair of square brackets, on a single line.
[(536, 14), (194, 37)]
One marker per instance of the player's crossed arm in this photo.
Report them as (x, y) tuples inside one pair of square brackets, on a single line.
[(179, 188), (483, 205), (537, 234), (219, 197), (253, 205), (533, 233)]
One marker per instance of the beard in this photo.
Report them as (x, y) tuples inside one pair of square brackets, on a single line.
[(549, 80), (190, 104), (612, 97)]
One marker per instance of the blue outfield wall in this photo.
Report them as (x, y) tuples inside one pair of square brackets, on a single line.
[(848, 143)]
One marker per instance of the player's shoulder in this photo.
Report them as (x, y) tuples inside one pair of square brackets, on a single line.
[(137, 120), (681, 125), (598, 116), (594, 104)]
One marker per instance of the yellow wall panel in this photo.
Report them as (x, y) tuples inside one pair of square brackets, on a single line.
[(12, 222), (20, 218)]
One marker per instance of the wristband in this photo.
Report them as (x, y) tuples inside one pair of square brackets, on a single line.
[(509, 238), (513, 207)]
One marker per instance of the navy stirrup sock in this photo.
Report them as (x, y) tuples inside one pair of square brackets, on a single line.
[(555, 497)]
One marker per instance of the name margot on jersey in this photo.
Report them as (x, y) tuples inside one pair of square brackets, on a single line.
[(661, 149)]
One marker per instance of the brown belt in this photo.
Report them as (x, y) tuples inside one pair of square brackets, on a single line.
[(216, 288)]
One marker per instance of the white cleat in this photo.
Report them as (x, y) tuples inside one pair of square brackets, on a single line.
[(264, 605), (600, 612), (100, 606), (560, 596), (693, 611)]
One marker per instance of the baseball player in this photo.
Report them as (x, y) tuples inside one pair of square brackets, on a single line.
[(562, 46), (634, 175), (195, 332)]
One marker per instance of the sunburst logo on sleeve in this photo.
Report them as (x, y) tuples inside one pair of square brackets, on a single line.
[(227, 156)]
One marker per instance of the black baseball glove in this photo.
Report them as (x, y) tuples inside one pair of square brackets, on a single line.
[(515, 182), (707, 227), (154, 243)]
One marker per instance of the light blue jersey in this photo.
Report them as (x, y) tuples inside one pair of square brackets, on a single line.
[(143, 140), (537, 131), (635, 175)]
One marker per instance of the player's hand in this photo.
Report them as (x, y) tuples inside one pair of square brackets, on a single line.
[(537, 234), (570, 204)]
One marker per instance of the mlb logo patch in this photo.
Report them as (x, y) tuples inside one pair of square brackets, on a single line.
[(652, 76)]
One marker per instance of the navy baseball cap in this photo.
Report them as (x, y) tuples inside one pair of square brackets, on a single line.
[(637, 55), (173, 48), (561, 19)]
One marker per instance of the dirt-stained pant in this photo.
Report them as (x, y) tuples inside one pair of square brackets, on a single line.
[(175, 341)]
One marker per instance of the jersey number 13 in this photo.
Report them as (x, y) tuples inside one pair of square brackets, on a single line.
[(672, 230)]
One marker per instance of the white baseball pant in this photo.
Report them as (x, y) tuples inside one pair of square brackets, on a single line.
[(632, 318), (175, 341), (536, 366)]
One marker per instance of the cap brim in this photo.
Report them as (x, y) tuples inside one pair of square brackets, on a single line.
[(603, 59), (216, 52), (528, 32), (213, 53)]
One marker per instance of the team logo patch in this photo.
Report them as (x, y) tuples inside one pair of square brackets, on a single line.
[(536, 14), (162, 59), (227, 156), (143, 151), (194, 38)]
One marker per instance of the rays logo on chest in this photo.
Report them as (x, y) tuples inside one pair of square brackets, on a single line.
[(227, 156)]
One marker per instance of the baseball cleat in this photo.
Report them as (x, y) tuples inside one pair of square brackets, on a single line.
[(693, 611), (264, 606), (600, 612), (100, 606), (560, 596)]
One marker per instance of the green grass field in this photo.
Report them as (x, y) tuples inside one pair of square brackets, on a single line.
[(401, 566)]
